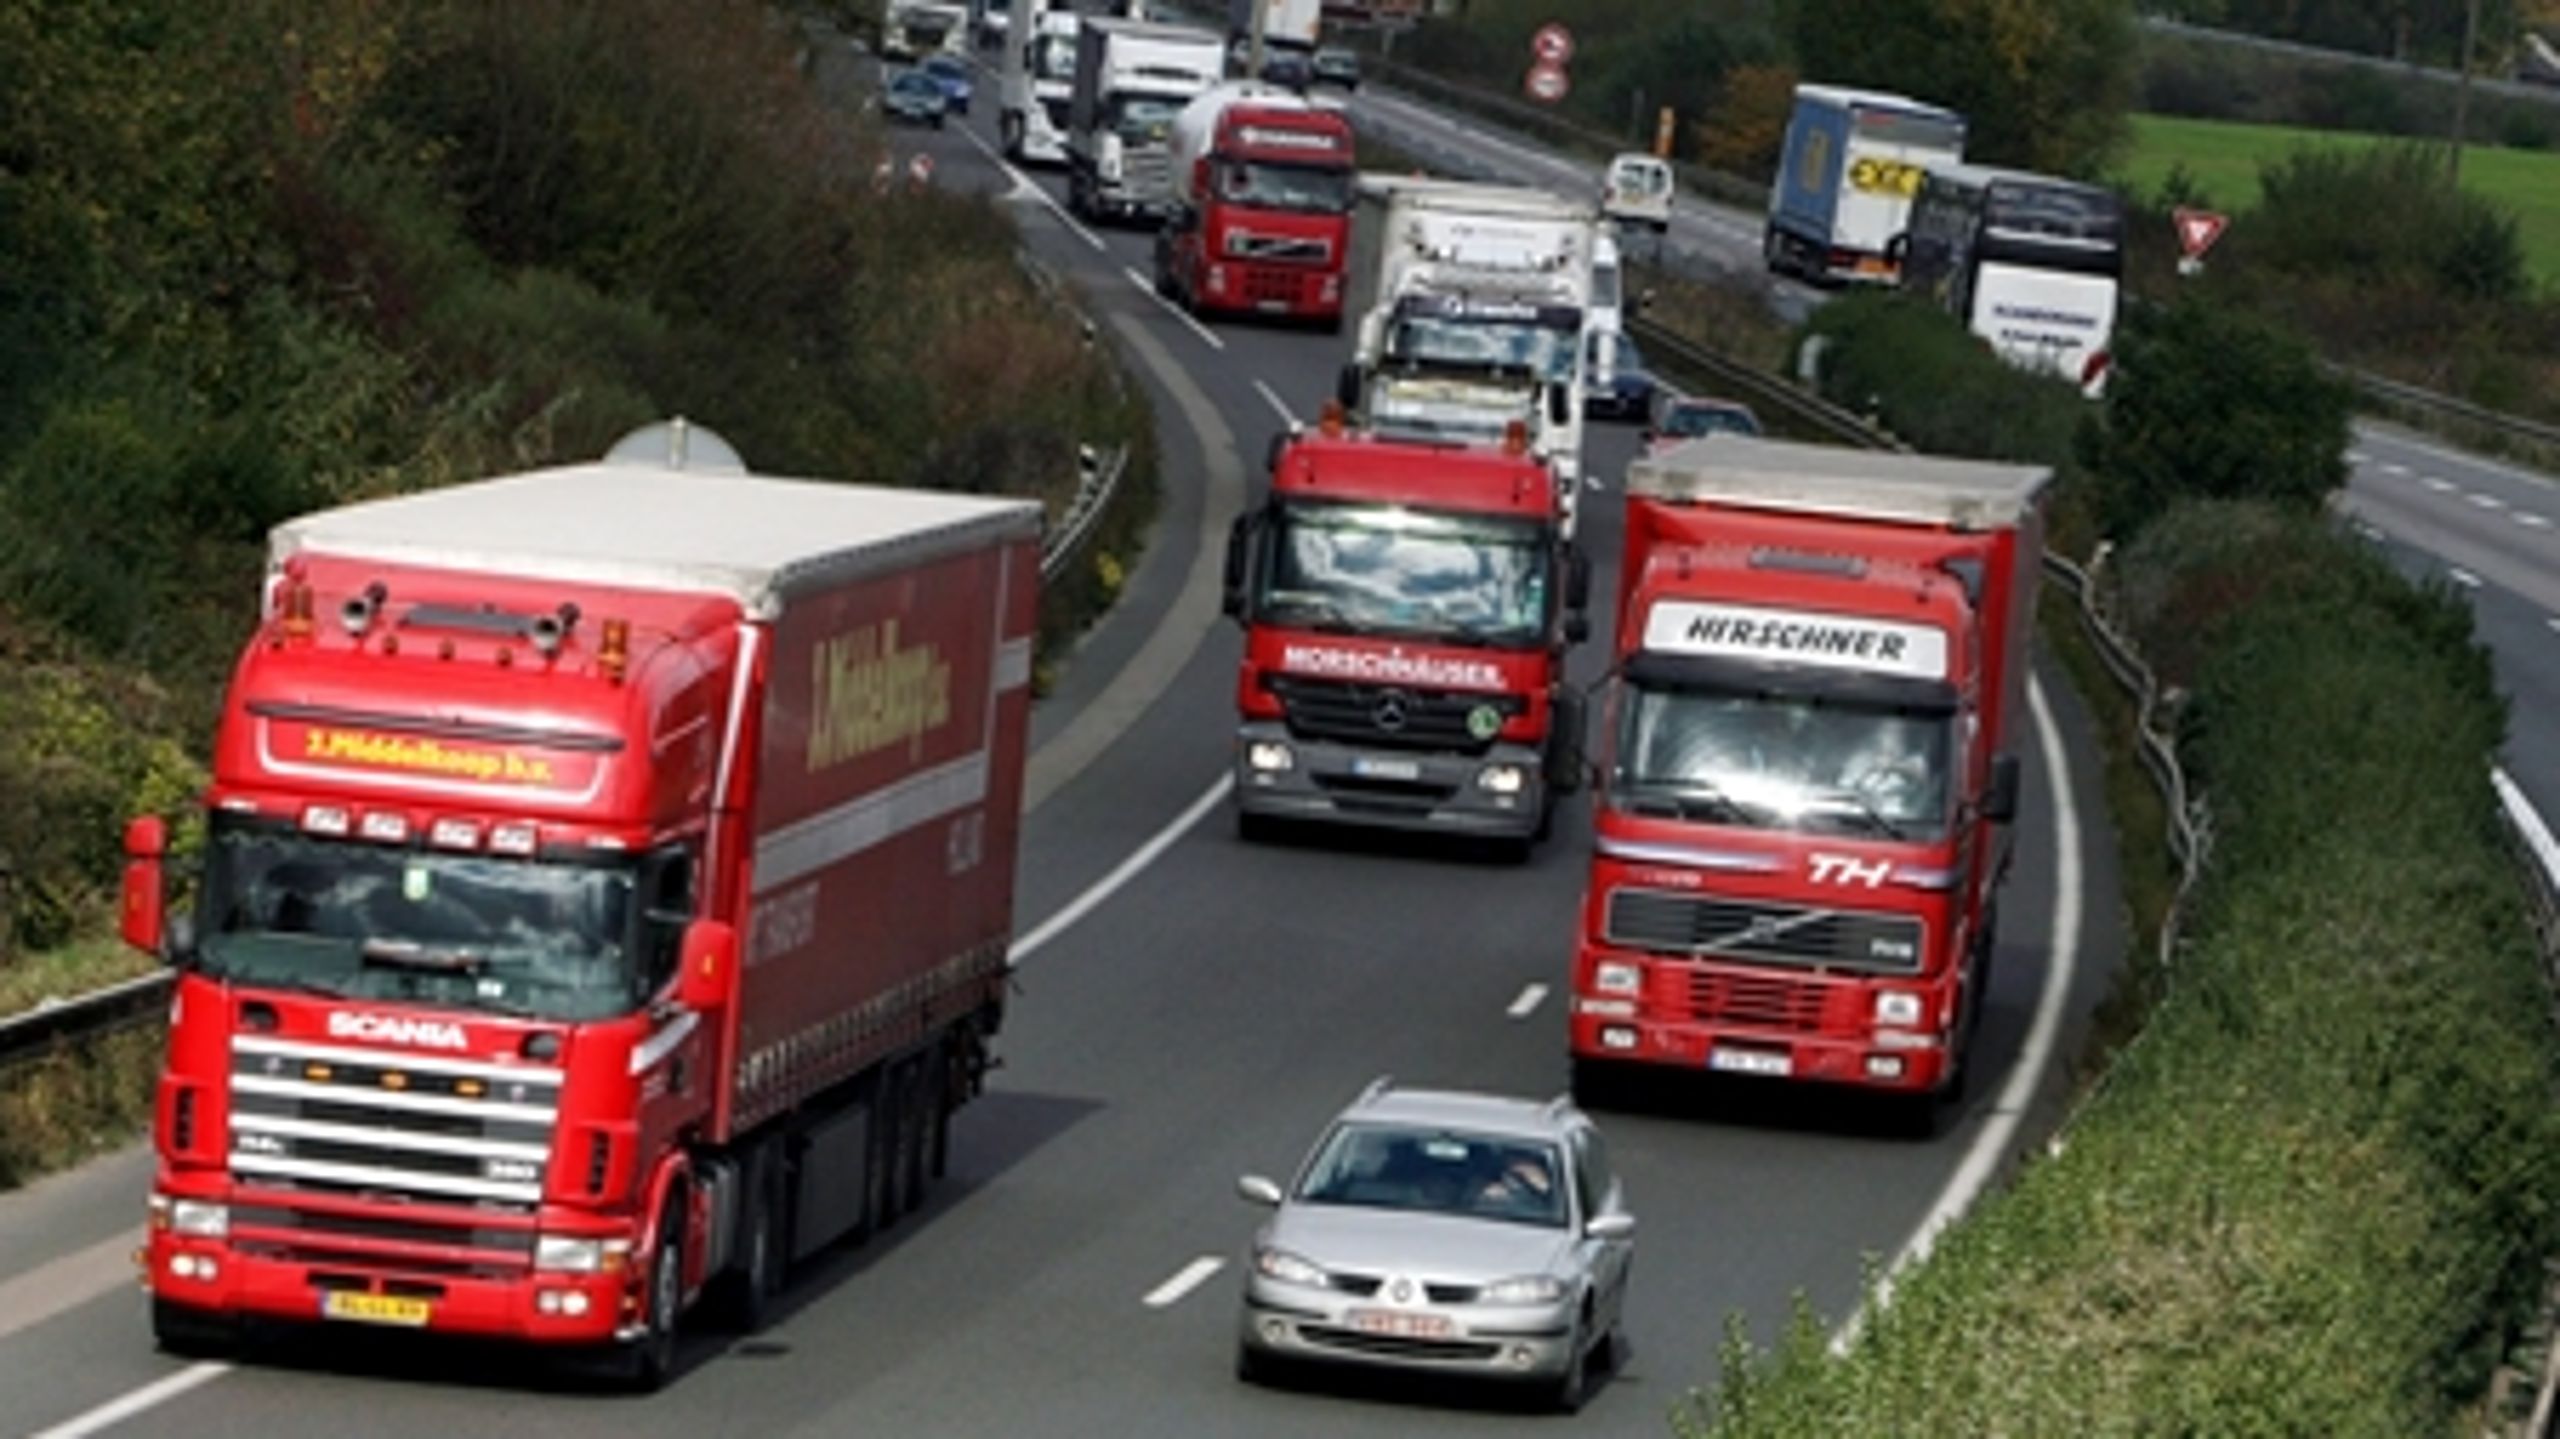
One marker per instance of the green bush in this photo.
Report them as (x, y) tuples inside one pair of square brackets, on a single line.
[(2208, 401), (1938, 386), (2409, 222)]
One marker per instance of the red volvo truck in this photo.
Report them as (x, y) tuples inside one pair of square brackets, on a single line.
[(1809, 770), (1261, 221), (1407, 607), (605, 895)]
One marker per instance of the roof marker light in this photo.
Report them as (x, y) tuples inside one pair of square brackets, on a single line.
[(454, 834), (297, 610), (613, 656), (326, 819), (513, 839), (388, 826), (1330, 421)]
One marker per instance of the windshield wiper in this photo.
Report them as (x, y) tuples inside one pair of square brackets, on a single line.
[(1688, 799), (1865, 808), (409, 954)]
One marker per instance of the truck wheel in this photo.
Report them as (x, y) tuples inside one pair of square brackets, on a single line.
[(937, 1149), (646, 1363), (880, 1177), (916, 1148), (1601, 1083), (764, 1250), (189, 1333)]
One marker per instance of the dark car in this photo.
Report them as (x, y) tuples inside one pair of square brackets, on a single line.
[(1337, 66), (952, 74), (915, 97), (1686, 417), (1629, 393)]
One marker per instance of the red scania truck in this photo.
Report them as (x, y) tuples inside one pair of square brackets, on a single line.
[(1261, 221), (1407, 607), (1810, 767), (605, 897)]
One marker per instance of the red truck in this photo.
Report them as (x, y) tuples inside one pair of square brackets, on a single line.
[(1809, 778), (605, 897), (1407, 608), (1261, 222)]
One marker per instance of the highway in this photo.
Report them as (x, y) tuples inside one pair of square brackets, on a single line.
[(1190, 1008)]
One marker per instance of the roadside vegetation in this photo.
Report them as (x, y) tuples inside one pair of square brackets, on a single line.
[(2309, 1191), (266, 257)]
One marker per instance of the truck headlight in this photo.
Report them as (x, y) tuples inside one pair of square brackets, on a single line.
[(1895, 1006), (1108, 164), (1616, 976), (1502, 779), (1527, 1289), (1269, 756), (560, 1254), (196, 1219)]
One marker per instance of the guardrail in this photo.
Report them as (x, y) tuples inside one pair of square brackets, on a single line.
[(36, 1031), (1762, 390), (1098, 484), (2456, 418), (2539, 856)]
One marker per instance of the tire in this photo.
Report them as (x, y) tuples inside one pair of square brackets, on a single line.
[(887, 1149), (189, 1333), (645, 1364), (916, 1161), (766, 1265), (1566, 1393), (1601, 1083), (1256, 828), (1252, 1366)]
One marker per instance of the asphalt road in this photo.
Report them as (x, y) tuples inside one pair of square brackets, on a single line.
[(1191, 1008)]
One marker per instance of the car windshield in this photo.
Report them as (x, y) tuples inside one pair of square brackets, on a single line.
[(1686, 421), (1463, 342), (916, 82), (1286, 187), (1513, 1180), (373, 921), (943, 67), (1788, 762), (1142, 117), (1389, 570)]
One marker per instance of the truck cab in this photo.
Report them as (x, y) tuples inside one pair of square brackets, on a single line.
[(1261, 223), (1406, 607), (1808, 765), (1132, 78)]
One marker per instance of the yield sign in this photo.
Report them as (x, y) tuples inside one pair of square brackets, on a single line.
[(1553, 44), (1546, 82), (2198, 229)]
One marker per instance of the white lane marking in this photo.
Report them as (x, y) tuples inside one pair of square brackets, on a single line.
[(1147, 288), (2394, 468), (1189, 1277), (1528, 1002), (2462, 577), (1272, 398), (2487, 502), (2368, 530), (1127, 870), (1022, 184), (2532, 521), (2062, 944), (2554, 623), (116, 1411), (2357, 457), (2436, 483)]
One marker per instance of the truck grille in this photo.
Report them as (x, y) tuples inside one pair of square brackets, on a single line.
[(1387, 715), (1278, 249), (391, 1125), (1664, 922), (1761, 1001), (1146, 175)]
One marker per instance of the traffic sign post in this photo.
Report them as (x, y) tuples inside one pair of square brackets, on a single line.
[(1552, 45), (2197, 230), (1546, 83)]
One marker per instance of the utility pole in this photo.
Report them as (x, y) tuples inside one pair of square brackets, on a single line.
[(1253, 45), (2462, 93)]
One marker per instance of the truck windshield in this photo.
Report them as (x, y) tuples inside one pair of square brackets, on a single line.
[(1055, 59), (1781, 762), (1142, 117), (1459, 342), (1384, 569), (1286, 187), (509, 936)]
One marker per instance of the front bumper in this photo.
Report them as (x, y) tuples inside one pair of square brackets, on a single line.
[(1621, 1029), (1418, 790), (1251, 289), (1290, 1321)]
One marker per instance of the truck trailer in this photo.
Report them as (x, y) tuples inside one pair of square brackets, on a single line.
[(1407, 607), (1809, 769), (1851, 162), (1261, 221), (605, 897)]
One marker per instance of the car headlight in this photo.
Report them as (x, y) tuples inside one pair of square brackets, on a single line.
[(1288, 1268), (1527, 1289), (198, 1220), (1501, 779), (1895, 1006), (561, 1254)]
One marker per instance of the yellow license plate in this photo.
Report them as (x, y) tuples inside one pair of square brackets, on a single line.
[(374, 1308)]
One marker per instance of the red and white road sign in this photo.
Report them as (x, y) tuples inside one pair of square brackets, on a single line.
[(1546, 82), (920, 169), (2198, 229), (1553, 44)]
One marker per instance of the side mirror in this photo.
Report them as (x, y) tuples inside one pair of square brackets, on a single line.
[(1346, 387), (1644, 437), (1559, 405), (710, 972), (2000, 802), (1231, 599), (1611, 1226), (145, 918), (1577, 580), (1604, 362), (1565, 730), (1577, 627), (1258, 1190)]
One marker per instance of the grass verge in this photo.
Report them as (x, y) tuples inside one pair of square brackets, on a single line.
[(76, 1099)]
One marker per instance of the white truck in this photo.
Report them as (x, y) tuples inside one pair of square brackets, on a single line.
[(1476, 312), (1132, 77), (913, 29), (1852, 161), (1290, 29)]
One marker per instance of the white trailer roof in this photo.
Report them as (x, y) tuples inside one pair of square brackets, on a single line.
[(756, 538), (1473, 197), (1828, 479), (1847, 96)]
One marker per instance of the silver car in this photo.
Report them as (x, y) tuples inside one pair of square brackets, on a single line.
[(1446, 1233)]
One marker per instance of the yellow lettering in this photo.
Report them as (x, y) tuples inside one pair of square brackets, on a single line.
[(867, 694)]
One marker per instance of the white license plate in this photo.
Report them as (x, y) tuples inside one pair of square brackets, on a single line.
[(1272, 307), (1368, 768), (1401, 1324), (1749, 1061)]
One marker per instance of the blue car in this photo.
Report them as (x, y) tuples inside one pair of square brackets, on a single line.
[(952, 74), (915, 97), (1629, 395)]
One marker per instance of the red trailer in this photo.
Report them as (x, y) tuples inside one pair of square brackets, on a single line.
[(605, 898)]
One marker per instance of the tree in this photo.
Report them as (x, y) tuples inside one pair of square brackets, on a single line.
[(2043, 84)]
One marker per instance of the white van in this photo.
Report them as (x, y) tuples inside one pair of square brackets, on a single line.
[(1637, 190)]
